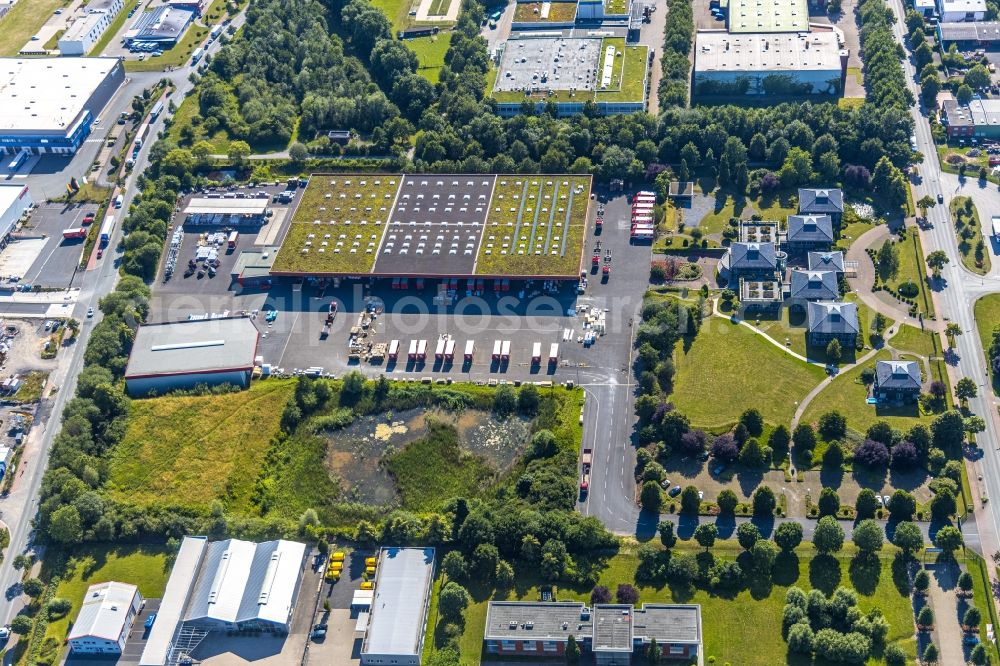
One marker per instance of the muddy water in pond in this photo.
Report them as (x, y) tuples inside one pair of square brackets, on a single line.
[(354, 453)]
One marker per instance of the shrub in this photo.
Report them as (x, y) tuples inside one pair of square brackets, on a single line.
[(871, 454), (909, 289)]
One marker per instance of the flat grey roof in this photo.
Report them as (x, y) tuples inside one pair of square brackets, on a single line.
[(669, 623), (549, 63), (511, 620), (175, 597), (613, 627), (791, 52), (768, 16), (187, 347), (205, 206), (402, 594), (979, 31), (48, 94)]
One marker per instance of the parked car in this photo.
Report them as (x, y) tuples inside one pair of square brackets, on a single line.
[(150, 620), (90, 312), (675, 491)]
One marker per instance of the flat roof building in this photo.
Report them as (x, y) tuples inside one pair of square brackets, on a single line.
[(613, 632), (224, 585), (105, 620), (47, 105), (981, 118), (83, 33), (953, 11), (769, 16), (395, 632), (254, 266), (15, 201), (784, 65), (238, 212), (181, 355), (164, 25), (976, 33)]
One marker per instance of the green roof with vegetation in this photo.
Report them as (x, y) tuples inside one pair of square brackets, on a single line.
[(531, 12), (535, 226), (338, 224)]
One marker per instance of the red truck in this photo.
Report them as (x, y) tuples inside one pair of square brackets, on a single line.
[(586, 459), (74, 233)]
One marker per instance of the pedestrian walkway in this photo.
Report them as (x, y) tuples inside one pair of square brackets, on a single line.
[(865, 278), (944, 602)]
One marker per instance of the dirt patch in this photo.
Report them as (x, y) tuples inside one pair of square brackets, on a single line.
[(354, 455)]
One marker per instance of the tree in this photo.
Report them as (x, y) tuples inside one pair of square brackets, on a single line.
[(504, 400), (923, 203), (977, 78), (528, 399), (779, 439), (454, 566), (653, 652), (937, 260), (948, 539), (753, 455), (58, 606), (943, 503), (667, 536), (764, 553), (20, 625), (725, 449), (887, 260), (298, 153), (800, 638), (544, 444), (868, 536), (829, 502), (706, 534), (921, 582), (753, 421), (931, 653), (834, 351), (484, 561), (972, 618), (964, 95), (948, 431), (33, 587), (796, 169), (600, 595), (727, 501), (925, 618), (951, 331), (966, 389), (788, 536), (64, 525), (804, 438), (902, 505), (979, 656), (626, 594), (829, 535), (747, 534), (908, 537), (452, 601), (572, 651), (871, 454), (905, 455), (690, 502), (832, 425), (238, 151), (764, 501), (965, 583), (866, 504), (651, 497)]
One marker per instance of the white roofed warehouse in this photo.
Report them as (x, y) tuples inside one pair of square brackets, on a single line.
[(229, 585), (181, 355), (395, 633), (105, 619), (47, 105)]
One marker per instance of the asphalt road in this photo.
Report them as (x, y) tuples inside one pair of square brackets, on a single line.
[(19, 508), (955, 297)]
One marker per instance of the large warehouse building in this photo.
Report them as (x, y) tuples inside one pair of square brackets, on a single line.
[(15, 201), (164, 25), (438, 225), (229, 585), (784, 64), (47, 105), (395, 632), (182, 355), (81, 36)]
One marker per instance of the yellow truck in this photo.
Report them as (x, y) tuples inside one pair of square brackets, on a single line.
[(370, 561), (337, 556)]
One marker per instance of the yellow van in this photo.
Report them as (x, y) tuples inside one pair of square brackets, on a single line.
[(338, 556), (367, 585), (370, 571), (333, 575), (370, 561)]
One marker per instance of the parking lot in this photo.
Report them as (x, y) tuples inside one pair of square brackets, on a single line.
[(341, 645), (42, 256)]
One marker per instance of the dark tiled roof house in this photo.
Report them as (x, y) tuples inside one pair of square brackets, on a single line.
[(826, 261), (814, 286), (829, 320), (809, 232), (814, 201), (897, 381)]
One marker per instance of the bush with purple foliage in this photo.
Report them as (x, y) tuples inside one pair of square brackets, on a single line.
[(626, 594), (724, 448), (693, 442), (871, 454), (905, 455), (600, 595)]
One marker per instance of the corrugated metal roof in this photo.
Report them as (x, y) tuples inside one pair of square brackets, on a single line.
[(104, 611), (174, 599), (402, 593), (201, 205)]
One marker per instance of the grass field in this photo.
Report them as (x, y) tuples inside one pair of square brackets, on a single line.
[(182, 118), (850, 233), (847, 395), (729, 368), (912, 269), (744, 628), (776, 208), (430, 54), (31, 390), (53, 42), (113, 29), (24, 20), (789, 329), (535, 226), (911, 338), (144, 566), (396, 10), (193, 450), (987, 314), (338, 224), (434, 469), (968, 223)]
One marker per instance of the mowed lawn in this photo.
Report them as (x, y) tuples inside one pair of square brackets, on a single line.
[(144, 566), (23, 20), (742, 629), (193, 450), (987, 314), (729, 368), (847, 395), (430, 54)]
